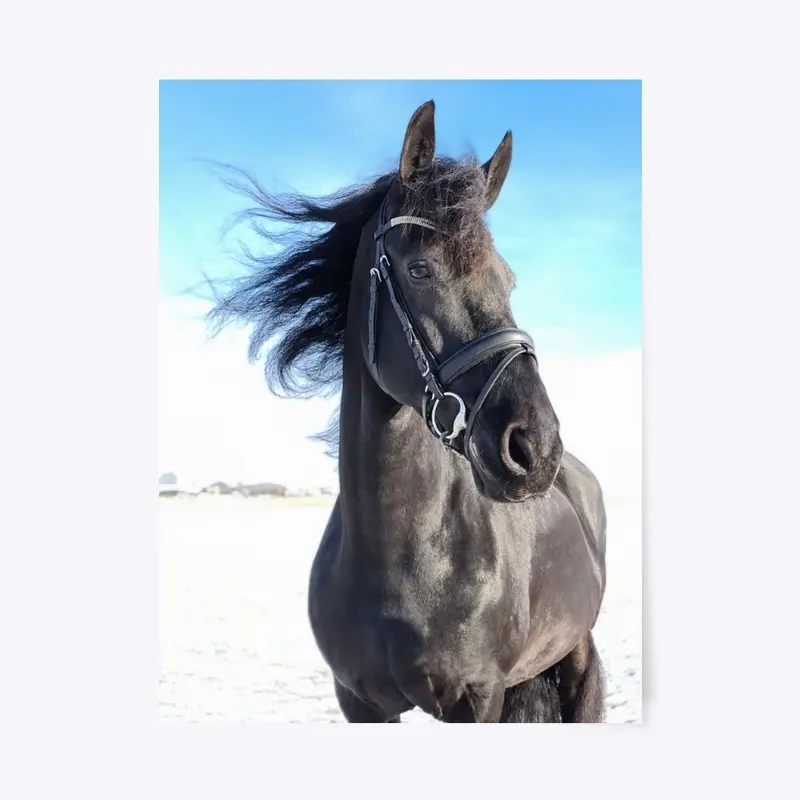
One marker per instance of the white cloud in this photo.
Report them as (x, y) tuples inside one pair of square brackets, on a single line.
[(218, 421)]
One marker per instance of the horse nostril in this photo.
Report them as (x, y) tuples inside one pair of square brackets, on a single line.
[(517, 453)]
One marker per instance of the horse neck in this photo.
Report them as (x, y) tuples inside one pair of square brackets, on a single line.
[(383, 443)]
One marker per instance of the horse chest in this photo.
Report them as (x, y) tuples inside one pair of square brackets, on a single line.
[(429, 624)]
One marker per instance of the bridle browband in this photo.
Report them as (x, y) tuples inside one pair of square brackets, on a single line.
[(438, 377)]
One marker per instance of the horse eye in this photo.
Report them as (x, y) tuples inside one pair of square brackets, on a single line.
[(418, 271)]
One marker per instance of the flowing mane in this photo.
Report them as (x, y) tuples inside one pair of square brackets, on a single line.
[(295, 300)]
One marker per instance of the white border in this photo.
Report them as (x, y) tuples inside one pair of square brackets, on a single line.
[(80, 257)]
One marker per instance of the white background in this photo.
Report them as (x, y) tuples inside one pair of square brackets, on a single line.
[(79, 144)]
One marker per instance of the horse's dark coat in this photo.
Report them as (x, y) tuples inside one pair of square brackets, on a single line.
[(468, 589)]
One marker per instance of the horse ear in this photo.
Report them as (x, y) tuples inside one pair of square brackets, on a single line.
[(496, 170), (419, 143)]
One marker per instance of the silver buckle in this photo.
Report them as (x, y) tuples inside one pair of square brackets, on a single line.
[(459, 423)]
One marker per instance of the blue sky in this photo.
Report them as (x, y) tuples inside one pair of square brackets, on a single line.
[(568, 220)]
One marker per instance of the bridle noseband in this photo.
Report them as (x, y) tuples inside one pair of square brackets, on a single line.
[(438, 377)]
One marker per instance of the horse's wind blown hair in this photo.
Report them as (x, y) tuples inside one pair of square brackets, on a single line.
[(296, 300)]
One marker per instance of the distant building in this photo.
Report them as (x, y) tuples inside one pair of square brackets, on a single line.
[(259, 489)]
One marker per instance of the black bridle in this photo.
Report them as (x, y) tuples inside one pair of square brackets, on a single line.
[(438, 377)]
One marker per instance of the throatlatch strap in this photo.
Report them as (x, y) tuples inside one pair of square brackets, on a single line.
[(373, 305)]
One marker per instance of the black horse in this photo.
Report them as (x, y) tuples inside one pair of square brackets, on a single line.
[(463, 566)]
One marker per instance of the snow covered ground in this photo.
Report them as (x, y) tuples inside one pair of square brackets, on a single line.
[(234, 636)]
